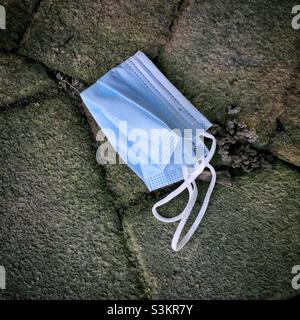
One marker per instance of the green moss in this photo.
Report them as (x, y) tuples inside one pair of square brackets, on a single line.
[(286, 146), (18, 16), (86, 39), (235, 53), (244, 248), (21, 78), (60, 235)]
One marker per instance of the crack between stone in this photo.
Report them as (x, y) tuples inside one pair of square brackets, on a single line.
[(280, 128), (68, 40), (26, 101), (34, 11), (133, 257), (182, 5)]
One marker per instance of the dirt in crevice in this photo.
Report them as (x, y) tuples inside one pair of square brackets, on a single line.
[(235, 146), (35, 98)]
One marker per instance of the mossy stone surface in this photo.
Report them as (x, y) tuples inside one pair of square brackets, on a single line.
[(21, 78), (286, 144), (60, 237), (245, 247), (85, 39), (18, 16), (127, 187), (239, 53)]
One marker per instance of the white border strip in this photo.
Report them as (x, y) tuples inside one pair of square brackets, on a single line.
[(168, 87)]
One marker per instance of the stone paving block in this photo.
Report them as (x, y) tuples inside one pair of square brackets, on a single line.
[(286, 145), (18, 16), (245, 247), (21, 78), (85, 39), (59, 234), (240, 53), (127, 187)]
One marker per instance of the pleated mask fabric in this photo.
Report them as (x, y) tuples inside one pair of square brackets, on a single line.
[(145, 118)]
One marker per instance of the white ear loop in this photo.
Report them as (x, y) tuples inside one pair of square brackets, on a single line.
[(193, 192), (189, 183)]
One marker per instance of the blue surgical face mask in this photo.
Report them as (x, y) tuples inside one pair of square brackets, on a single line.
[(133, 102)]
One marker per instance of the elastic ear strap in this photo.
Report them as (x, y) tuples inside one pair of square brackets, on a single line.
[(189, 184), (176, 245), (193, 192)]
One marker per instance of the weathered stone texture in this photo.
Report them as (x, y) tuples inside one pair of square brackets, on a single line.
[(240, 53), (21, 78), (59, 234), (18, 16), (86, 38), (245, 247), (286, 144)]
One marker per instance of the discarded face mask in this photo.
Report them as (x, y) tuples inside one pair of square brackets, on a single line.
[(132, 102)]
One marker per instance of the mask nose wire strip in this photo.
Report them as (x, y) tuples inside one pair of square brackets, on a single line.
[(189, 184)]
